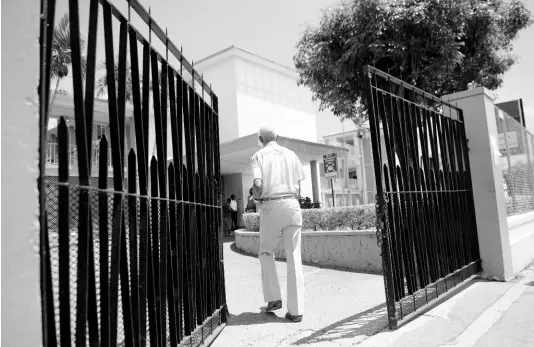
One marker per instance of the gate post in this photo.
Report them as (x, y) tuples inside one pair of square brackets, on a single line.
[(486, 174), (21, 311)]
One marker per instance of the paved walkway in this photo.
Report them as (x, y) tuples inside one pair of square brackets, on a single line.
[(348, 309), (341, 308)]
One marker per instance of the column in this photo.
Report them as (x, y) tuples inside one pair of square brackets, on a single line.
[(316, 183), (486, 174)]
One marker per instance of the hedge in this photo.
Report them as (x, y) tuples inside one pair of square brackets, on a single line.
[(327, 219)]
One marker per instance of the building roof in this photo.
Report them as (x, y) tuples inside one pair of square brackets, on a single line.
[(235, 50)]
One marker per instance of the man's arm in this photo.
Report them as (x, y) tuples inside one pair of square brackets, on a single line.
[(257, 188)]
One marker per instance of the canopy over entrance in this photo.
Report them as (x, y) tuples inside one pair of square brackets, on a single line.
[(235, 154)]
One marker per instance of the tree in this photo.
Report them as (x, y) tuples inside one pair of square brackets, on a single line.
[(438, 46), (102, 82), (61, 54)]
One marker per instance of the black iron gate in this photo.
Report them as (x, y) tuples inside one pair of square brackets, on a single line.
[(425, 211), (133, 259)]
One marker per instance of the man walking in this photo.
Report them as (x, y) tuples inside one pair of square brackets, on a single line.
[(233, 207), (277, 175)]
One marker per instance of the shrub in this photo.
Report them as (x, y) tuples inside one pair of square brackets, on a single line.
[(306, 203), (252, 221), (327, 219)]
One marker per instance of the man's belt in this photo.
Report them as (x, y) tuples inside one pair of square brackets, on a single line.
[(281, 197)]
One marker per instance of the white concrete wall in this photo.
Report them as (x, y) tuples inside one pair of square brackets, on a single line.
[(353, 250), (222, 78), (272, 98), (21, 310), (521, 230)]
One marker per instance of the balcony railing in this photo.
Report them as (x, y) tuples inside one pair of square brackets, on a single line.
[(52, 155)]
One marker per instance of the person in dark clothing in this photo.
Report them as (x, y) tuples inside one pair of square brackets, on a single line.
[(251, 203), (233, 207), (227, 221)]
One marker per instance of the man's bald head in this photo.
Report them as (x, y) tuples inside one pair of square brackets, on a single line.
[(267, 135)]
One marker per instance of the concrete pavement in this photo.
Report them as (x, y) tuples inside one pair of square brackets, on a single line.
[(341, 308), (485, 313), (348, 309)]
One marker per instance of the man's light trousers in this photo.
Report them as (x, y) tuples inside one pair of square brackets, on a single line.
[(282, 216)]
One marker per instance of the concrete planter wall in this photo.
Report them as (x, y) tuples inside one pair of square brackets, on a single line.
[(521, 229), (352, 250)]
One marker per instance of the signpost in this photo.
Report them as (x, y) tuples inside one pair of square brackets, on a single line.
[(330, 171)]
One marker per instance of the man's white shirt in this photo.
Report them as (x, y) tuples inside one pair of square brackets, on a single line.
[(279, 169)]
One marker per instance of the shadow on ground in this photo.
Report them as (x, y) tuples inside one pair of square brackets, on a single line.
[(363, 324), (252, 318)]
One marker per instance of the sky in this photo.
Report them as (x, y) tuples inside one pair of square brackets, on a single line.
[(272, 28)]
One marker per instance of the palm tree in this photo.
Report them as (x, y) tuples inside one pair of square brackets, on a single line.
[(102, 82), (61, 54)]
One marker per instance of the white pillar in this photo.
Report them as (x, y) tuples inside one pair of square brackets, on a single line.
[(315, 181), (486, 174), (21, 309)]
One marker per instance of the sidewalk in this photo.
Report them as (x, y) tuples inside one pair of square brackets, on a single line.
[(341, 308), (483, 314), (348, 309)]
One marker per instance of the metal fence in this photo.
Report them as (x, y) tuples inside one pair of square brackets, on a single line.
[(133, 256), (516, 146), (425, 210)]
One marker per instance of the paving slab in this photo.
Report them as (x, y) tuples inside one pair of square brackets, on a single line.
[(342, 308)]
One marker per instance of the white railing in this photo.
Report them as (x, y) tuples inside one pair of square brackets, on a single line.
[(52, 155)]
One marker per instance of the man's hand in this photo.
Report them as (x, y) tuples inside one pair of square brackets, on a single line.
[(257, 188)]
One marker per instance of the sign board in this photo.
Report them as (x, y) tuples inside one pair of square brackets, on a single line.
[(330, 165)]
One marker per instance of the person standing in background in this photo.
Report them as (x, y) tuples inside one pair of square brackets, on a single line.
[(277, 174), (233, 206), (227, 217), (251, 203)]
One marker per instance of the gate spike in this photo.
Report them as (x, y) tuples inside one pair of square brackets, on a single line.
[(149, 26), (193, 73), (166, 44), (181, 60)]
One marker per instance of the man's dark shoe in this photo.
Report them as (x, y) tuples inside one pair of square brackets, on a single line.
[(294, 318), (273, 306)]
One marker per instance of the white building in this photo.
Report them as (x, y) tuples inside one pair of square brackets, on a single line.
[(255, 91)]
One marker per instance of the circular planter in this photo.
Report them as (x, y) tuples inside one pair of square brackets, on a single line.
[(355, 250)]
